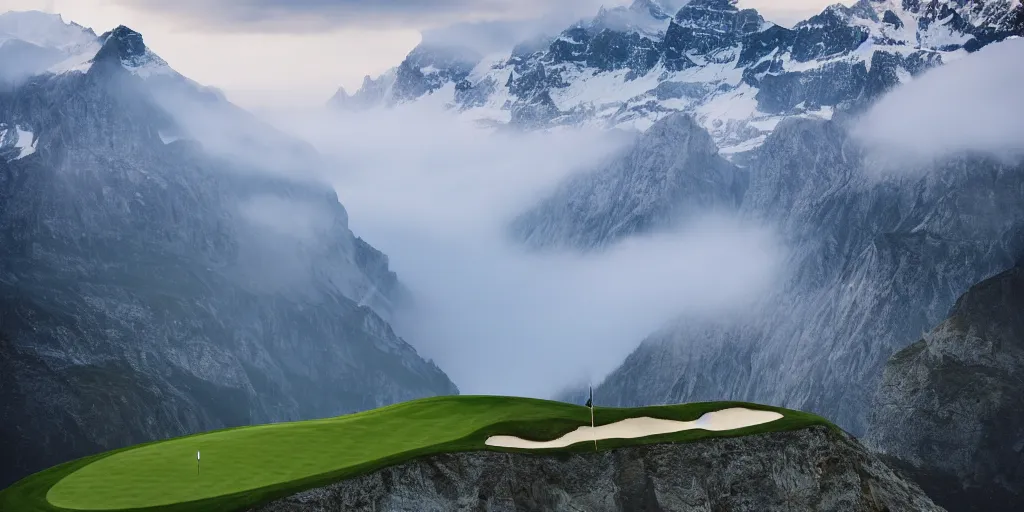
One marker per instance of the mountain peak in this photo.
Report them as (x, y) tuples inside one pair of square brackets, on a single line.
[(126, 47), (721, 5), (122, 44), (43, 29), (654, 8), (340, 98), (719, 16), (648, 17), (28, 20)]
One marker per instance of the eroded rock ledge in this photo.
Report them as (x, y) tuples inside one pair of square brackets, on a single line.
[(810, 469)]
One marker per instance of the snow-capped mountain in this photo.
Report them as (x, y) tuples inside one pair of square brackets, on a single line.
[(32, 42), (44, 30), (157, 281), (735, 72)]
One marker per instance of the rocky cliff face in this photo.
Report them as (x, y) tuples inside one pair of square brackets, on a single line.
[(813, 469), (874, 260), (737, 74), (950, 407), (151, 287), (671, 173)]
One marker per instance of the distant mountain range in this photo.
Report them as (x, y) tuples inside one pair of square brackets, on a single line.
[(736, 73), (746, 117)]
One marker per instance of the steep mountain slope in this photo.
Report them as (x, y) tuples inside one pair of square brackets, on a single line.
[(874, 260), (737, 74), (152, 285), (950, 407), (673, 171)]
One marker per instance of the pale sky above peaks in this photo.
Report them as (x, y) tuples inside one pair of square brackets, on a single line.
[(272, 53)]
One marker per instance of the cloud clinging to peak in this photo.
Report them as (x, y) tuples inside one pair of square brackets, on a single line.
[(970, 105)]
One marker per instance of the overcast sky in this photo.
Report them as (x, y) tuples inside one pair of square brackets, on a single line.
[(300, 51)]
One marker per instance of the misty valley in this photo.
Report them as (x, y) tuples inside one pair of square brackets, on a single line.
[(618, 255)]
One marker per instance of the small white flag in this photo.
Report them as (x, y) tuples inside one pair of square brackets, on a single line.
[(197, 455)]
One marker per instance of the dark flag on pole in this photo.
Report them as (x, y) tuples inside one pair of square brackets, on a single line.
[(590, 405)]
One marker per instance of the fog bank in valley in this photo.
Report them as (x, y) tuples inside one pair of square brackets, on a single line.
[(435, 193)]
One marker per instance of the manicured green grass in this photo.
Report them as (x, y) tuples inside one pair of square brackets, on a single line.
[(247, 466)]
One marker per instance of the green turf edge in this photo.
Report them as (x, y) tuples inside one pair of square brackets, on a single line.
[(29, 494)]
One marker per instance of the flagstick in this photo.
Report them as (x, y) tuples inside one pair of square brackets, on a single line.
[(592, 417)]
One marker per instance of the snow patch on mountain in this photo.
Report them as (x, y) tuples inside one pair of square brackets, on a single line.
[(150, 65), (80, 61), (167, 138), (736, 73), (26, 143), (16, 142)]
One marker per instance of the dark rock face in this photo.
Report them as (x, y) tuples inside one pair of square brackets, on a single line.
[(813, 469), (829, 86), (827, 35), (710, 25), (950, 407), (121, 44), (149, 289), (570, 47), (988, 22), (429, 67), (759, 45), (875, 259), (671, 172), (892, 19), (610, 50)]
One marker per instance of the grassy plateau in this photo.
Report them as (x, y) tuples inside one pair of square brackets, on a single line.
[(247, 466)]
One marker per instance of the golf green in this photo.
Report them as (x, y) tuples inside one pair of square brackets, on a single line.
[(246, 466)]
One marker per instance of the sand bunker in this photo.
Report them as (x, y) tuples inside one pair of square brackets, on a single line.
[(717, 421)]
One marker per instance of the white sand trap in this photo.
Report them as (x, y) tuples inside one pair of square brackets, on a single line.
[(716, 421)]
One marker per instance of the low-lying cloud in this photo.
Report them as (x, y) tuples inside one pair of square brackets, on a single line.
[(298, 16), (435, 193), (973, 104), (504, 322)]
